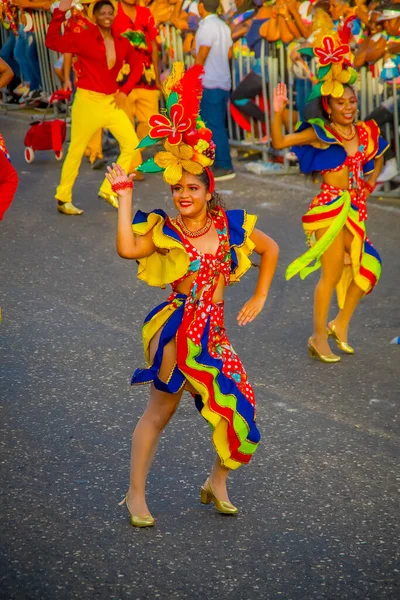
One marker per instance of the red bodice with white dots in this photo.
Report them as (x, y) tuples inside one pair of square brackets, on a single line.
[(356, 187), (208, 267)]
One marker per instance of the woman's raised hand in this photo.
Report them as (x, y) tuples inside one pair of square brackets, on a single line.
[(65, 5), (121, 183), (280, 98)]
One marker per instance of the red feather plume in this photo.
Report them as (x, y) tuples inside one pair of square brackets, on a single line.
[(345, 30), (190, 89)]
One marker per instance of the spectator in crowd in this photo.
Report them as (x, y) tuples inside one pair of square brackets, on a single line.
[(251, 86), (213, 50), (25, 50), (384, 45), (99, 102)]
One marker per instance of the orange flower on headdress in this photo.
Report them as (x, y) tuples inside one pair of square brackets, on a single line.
[(174, 160), (329, 54), (161, 126)]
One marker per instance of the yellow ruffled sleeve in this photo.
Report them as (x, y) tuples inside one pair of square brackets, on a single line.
[(240, 226), (170, 261)]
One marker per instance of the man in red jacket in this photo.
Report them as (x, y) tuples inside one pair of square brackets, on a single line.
[(99, 100)]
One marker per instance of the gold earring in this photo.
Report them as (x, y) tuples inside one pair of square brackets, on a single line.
[(330, 116)]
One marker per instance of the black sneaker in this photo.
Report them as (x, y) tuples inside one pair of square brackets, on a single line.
[(223, 174)]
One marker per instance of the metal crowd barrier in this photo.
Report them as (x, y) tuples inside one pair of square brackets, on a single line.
[(273, 60), (47, 58)]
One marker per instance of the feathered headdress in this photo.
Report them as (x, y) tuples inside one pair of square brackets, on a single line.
[(187, 141), (334, 59)]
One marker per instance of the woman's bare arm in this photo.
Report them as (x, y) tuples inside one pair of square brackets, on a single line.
[(279, 140), (378, 164), (268, 249)]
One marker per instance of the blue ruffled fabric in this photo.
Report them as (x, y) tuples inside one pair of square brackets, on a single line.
[(237, 233), (168, 333), (319, 159), (142, 217), (383, 145), (316, 159)]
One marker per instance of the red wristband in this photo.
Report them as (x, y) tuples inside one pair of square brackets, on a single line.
[(369, 187), (124, 185)]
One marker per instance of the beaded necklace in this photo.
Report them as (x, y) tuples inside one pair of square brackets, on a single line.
[(194, 234)]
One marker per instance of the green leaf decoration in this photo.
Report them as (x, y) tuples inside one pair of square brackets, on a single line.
[(149, 167), (315, 92), (136, 39), (322, 71), (306, 51), (173, 98), (146, 141)]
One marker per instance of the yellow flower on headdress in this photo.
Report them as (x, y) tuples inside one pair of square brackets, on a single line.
[(174, 160), (332, 88)]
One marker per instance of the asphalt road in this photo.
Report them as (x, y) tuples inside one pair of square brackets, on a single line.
[(319, 503)]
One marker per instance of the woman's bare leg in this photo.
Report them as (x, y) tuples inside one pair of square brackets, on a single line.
[(332, 262), (217, 479), (147, 432), (342, 319), (145, 439), (353, 297)]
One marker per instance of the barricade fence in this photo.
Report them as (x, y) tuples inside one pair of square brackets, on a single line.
[(275, 65)]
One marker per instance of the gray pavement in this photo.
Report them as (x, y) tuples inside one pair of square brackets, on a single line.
[(319, 503)]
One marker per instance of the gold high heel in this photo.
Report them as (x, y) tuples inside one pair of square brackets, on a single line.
[(207, 496), (344, 346), (325, 358), (67, 208), (136, 521), (110, 198)]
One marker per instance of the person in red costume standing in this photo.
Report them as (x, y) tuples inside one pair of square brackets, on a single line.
[(99, 100), (8, 175), (136, 24)]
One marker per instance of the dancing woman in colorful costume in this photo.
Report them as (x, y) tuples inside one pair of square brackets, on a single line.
[(348, 154), (199, 252)]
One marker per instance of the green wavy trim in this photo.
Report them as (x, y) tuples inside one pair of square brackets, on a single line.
[(301, 264), (227, 401)]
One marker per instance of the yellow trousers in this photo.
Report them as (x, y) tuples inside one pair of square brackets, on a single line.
[(92, 111), (144, 104), (95, 147)]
